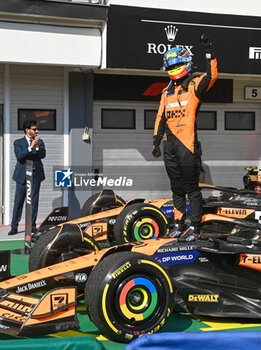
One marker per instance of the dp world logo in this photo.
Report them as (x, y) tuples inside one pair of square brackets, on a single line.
[(63, 178)]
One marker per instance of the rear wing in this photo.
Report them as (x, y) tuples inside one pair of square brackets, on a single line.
[(232, 190), (24, 315)]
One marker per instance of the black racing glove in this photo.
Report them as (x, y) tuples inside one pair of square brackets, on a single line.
[(156, 152), (207, 45)]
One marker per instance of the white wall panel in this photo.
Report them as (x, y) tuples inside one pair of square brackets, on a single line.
[(225, 153), (239, 88), (1, 83), (39, 87), (42, 44)]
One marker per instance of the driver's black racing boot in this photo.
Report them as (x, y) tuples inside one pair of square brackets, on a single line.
[(177, 230), (191, 234)]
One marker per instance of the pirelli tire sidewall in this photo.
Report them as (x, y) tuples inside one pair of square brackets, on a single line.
[(139, 222), (128, 295)]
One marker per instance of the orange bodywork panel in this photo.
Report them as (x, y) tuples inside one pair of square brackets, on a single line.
[(252, 261), (59, 269), (18, 312), (158, 202), (148, 247), (255, 178), (108, 213), (178, 215), (210, 217), (238, 213), (98, 230)]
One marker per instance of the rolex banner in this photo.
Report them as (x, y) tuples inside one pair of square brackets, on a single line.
[(139, 37)]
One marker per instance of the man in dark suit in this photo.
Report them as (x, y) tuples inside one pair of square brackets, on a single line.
[(30, 147)]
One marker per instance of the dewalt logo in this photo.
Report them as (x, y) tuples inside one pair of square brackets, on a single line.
[(204, 298)]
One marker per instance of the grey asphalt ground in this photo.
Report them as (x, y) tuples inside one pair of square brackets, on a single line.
[(4, 234)]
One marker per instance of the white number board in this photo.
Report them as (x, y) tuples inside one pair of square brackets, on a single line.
[(252, 93)]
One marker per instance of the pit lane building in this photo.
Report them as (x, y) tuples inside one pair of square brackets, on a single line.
[(89, 72)]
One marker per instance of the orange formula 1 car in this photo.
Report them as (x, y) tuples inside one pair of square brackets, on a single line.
[(107, 220), (131, 289)]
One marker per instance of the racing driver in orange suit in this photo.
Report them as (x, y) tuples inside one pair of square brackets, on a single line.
[(176, 117)]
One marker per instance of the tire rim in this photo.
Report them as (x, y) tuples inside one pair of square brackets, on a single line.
[(138, 299), (145, 228)]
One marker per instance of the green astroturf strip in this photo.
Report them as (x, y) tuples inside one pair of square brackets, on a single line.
[(76, 343), (6, 245)]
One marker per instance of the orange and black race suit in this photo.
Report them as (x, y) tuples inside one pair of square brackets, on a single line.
[(176, 116)]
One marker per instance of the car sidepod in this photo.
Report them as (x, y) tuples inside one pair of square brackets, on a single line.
[(214, 277)]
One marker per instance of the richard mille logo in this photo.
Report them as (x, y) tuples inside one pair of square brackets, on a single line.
[(171, 32)]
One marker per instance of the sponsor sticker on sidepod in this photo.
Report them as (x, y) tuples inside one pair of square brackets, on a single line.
[(177, 257)]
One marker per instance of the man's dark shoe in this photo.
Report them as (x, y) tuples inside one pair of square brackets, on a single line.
[(13, 231), (34, 230)]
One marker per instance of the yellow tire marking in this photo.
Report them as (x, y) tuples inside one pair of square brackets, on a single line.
[(161, 269), (159, 212), (104, 309)]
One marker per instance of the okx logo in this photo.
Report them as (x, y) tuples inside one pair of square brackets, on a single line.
[(63, 178)]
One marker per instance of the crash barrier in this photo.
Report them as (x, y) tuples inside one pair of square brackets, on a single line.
[(66, 343), (197, 341)]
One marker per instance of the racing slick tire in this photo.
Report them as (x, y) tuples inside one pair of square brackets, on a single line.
[(128, 294), (140, 221), (49, 251), (88, 209)]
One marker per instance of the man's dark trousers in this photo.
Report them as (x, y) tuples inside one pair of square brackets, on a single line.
[(20, 194)]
